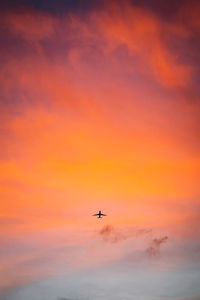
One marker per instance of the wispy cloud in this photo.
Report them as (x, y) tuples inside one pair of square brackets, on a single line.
[(155, 245), (97, 108), (113, 235)]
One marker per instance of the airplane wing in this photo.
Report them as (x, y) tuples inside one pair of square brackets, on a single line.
[(96, 215), (103, 215)]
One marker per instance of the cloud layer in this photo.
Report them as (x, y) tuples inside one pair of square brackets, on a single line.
[(99, 109)]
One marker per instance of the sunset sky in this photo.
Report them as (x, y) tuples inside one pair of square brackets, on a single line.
[(100, 110)]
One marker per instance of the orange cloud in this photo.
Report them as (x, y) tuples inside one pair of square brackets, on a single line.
[(93, 115), (146, 37), (29, 24)]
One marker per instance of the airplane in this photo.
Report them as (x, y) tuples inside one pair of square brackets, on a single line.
[(99, 214)]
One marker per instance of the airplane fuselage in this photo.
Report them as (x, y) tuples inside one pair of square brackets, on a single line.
[(100, 214)]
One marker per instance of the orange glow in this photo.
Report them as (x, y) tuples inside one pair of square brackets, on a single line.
[(97, 114)]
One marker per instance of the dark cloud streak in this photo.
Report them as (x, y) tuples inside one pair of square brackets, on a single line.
[(59, 7), (112, 235), (155, 245)]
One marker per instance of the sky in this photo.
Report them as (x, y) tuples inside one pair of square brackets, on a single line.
[(99, 110)]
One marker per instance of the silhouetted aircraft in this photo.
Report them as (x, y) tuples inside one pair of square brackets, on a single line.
[(99, 214)]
